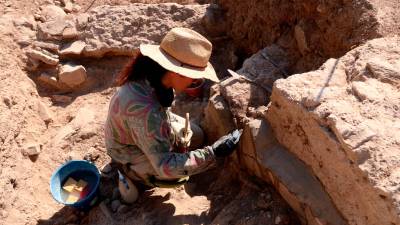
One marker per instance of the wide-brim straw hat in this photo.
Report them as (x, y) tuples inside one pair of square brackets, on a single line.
[(183, 51)]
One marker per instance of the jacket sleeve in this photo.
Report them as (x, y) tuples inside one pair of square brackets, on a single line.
[(150, 130)]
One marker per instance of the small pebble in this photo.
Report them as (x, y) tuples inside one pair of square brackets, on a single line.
[(61, 98), (107, 201), (32, 149), (115, 205), (278, 220), (92, 155), (71, 218), (123, 208), (106, 169), (4, 213), (7, 101)]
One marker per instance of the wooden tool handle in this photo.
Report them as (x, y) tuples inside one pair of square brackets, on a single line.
[(186, 134)]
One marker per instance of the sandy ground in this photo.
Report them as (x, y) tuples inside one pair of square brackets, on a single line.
[(217, 197)]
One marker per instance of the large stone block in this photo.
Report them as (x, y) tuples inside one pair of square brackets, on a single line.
[(343, 122), (267, 159)]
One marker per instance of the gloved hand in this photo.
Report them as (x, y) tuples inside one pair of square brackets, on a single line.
[(227, 144)]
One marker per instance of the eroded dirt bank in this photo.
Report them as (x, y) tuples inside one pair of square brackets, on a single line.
[(323, 142), (48, 117)]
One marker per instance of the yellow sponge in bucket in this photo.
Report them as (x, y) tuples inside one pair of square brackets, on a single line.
[(80, 185), (74, 189), (73, 196), (70, 185)]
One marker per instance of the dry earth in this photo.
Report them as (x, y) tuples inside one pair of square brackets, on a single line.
[(326, 140), (68, 125)]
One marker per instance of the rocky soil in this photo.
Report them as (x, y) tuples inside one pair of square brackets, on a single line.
[(310, 31), (316, 90), (326, 139), (54, 100)]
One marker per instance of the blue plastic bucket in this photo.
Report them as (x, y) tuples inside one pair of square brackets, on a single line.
[(76, 169)]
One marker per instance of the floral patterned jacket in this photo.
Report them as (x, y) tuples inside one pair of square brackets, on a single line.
[(138, 132)]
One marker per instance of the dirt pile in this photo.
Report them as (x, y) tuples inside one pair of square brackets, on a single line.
[(310, 31)]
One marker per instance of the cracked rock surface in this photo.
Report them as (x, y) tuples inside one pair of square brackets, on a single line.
[(343, 120)]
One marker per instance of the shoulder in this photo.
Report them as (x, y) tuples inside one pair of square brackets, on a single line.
[(137, 97), (137, 92)]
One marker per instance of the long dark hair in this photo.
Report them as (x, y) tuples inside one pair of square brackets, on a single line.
[(144, 68)]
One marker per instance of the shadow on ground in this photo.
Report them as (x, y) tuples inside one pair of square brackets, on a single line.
[(231, 201)]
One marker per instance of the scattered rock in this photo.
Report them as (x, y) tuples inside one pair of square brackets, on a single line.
[(44, 113), (76, 8), (31, 149), (123, 208), (25, 22), (92, 155), (82, 20), (301, 39), (46, 45), (49, 80), (70, 33), (278, 220), (61, 98), (68, 7), (74, 48), (52, 12), (106, 169), (3, 213), (37, 16), (32, 64), (106, 211), (72, 75), (7, 102), (115, 205), (44, 51), (24, 41), (37, 55), (52, 30)]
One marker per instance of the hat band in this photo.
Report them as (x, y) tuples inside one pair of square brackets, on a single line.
[(182, 64)]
